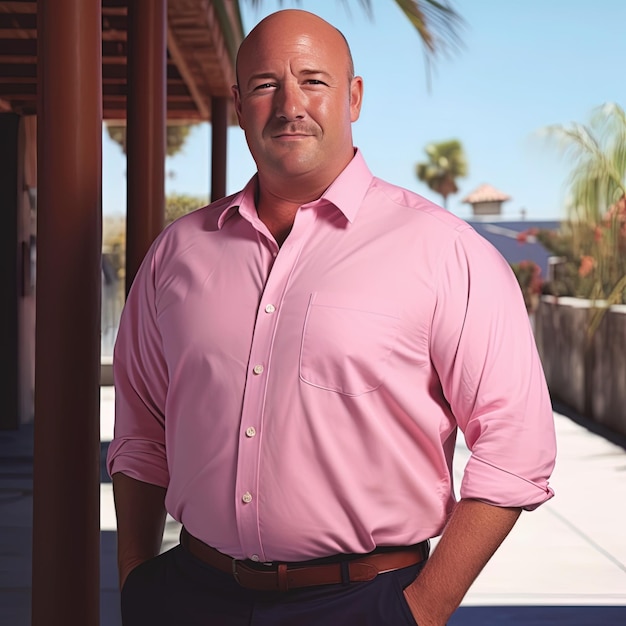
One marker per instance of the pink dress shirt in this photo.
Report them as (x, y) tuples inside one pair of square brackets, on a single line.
[(303, 401)]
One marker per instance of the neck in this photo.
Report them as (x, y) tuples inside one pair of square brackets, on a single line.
[(278, 210), (278, 215)]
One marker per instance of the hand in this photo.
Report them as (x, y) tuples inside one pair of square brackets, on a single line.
[(126, 568), (421, 616)]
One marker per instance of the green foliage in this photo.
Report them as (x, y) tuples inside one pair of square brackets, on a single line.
[(176, 136), (436, 22), (528, 275), (590, 265), (177, 205), (114, 228), (592, 240), (598, 152), (446, 162)]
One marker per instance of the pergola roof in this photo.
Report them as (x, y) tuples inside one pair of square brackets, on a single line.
[(202, 40)]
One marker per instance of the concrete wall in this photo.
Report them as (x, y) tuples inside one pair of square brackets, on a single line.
[(589, 375)]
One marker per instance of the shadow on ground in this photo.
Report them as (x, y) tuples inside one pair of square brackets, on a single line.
[(539, 616)]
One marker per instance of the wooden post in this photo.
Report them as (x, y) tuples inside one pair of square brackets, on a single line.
[(146, 128), (219, 127), (66, 509)]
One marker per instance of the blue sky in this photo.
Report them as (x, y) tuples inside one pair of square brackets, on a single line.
[(524, 66)]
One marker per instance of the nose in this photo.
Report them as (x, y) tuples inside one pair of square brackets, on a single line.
[(290, 101)]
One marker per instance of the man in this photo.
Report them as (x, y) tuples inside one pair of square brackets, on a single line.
[(291, 368)]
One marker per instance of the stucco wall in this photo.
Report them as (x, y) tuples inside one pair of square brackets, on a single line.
[(587, 375)]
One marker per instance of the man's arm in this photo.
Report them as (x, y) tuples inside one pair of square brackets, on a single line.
[(140, 511), (474, 532)]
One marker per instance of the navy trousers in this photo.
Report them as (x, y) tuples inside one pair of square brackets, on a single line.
[(176, 589)]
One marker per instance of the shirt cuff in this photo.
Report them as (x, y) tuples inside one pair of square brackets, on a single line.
[(501, 487), (141, 460)]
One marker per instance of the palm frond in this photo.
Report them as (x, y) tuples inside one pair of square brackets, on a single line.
[(437, 23), (598, 153), (596, 225)]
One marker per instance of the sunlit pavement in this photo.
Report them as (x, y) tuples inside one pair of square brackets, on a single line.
[(564, 563)]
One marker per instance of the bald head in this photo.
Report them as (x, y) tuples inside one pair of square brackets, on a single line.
[(296, 99), (290, 22)]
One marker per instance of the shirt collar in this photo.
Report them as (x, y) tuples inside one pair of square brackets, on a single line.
[(242, 201), (346, 192)]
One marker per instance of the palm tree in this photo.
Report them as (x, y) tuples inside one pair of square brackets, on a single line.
[(595, 228), (446, 162), (436, 22), (598, 178)]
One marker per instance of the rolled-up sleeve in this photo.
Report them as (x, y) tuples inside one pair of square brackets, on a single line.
[(140, 377), (485, 354)]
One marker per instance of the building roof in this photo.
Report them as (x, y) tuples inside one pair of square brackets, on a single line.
[(202, 42), (486, 193), (515, 242)]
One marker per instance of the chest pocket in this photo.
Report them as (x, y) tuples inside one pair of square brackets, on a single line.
[(347, 342)]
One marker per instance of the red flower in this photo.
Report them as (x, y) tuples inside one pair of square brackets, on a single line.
[(587, 263), (597, 233)]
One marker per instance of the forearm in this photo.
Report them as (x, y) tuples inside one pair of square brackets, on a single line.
[(140, 511), (472, 535)]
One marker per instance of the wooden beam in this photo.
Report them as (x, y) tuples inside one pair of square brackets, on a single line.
[(8, 58), (116, 113), (18, 80), (186, 74), (18, 7)]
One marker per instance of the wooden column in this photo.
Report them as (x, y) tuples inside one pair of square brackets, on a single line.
[(66, 510), (219, 126), (11, 278), (146, 128)]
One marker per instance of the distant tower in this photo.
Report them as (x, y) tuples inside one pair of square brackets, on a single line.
[(486, 201)]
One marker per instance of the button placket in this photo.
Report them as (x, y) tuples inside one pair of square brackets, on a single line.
[(248, 462)]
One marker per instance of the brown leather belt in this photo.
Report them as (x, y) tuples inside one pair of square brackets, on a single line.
[(284, 576)]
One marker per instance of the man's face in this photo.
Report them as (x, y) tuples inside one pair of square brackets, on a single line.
[(295, 99)]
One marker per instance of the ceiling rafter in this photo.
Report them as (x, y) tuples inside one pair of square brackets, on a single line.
[(199, 64)]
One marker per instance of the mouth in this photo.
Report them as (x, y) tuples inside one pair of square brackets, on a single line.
[(291, 136)]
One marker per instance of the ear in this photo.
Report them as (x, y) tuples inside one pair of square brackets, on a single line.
[(356, 98), (237, 101)]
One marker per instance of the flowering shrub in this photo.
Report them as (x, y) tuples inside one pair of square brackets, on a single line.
[(592, 258), (592, 242), (528, 275)]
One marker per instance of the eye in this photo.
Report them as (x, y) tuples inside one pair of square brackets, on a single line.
[(315, 81), (263, 86)]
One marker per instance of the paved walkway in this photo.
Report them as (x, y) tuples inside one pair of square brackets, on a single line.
[(564, 563)]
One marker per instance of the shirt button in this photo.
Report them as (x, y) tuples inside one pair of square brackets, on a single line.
[(247, 497), (255, 557), (250, 432), (270, 308), (258, 369)]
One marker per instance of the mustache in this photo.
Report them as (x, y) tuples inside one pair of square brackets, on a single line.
[(304, 128)]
